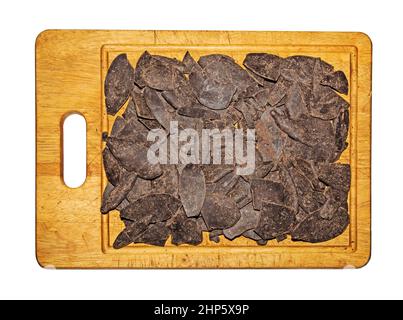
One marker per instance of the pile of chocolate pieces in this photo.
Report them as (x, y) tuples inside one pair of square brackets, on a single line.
[(301, 123)]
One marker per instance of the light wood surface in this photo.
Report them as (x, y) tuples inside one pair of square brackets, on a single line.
[(70, 231)]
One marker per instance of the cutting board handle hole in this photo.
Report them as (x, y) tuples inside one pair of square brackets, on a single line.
[(74, 149)]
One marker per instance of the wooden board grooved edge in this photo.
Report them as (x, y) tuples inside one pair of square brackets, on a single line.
[(70, 68)]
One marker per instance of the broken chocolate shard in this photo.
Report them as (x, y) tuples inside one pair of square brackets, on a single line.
[(307, 130), (336, 175), (192, 189), (266, 191), (156, 72), (278, 92), (334, 200), (317, 229), (159, 107), (214, 173), (117, 127), (182, 96), (309, 199), (295, 103), (326, 104), (270, 139), (113, 169), (133, 157), (185, 230), (241, 193), (142, 63), (190, 63), (122, 205), (198, 111), (154, 207), (263, 64), (173, 62), (122, 240), (214, 95), (167, 182), (118, 83), (341, 125), (140, 188), (142, 110), (150, 124), (156, 234), (275, 221), (337, 81), (120, 191), (249, 220), (226, 183), (219, 212), (130, 112)]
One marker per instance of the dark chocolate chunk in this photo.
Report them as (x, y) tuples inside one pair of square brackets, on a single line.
[(249, 220), (167, 182), (210, 92), (295, 103), (120, 191), (192, 189), (336, 175), (337, 81), (141, 107), (156, 207), (117, 127), (198, 111), (226, 183), (158, 106), (312, 132), (264, 64), (241, 193), (317, 229), (266, 191), (275, 221), (133, 157), (190, 63), (270, 139), (309, 199), (130, 112), (334, 200), (140, 188), (326, 104), (175, 63), (219, 212), (142, 63), (156, 234), (182, 96), (156, 73), (113, 169), (213, 173), (185, 230), (150, 124), (341, 125), (118, 83)]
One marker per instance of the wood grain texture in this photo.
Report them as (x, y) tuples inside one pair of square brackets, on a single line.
[(70, 231)]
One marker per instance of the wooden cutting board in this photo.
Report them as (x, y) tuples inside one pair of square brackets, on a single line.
[(70, 68)]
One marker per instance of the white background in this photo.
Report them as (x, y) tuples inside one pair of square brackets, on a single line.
[(21, 277)]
